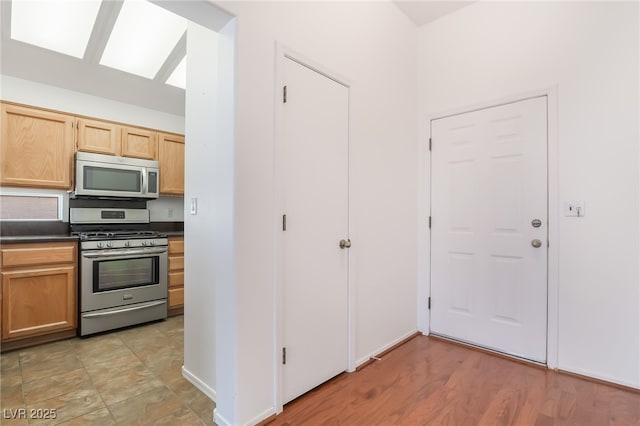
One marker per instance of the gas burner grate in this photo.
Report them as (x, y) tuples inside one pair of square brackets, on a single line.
[(115, 235)]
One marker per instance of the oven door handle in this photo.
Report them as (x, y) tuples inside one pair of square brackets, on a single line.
[(120, 253), (129, 309)]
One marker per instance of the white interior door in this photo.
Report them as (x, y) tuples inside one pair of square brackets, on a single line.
[(488, 190), (315, 322)]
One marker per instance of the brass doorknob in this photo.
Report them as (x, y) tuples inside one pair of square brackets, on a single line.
[(345, 244), (536, 243)]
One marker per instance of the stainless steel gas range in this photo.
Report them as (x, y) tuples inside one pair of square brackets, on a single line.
[(123, 268)]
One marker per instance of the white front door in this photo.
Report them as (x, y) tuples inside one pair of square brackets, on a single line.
[(314, 289), (489, 228)]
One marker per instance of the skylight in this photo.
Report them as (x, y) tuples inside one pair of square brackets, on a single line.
[(143, 36), (179, 76), (63, 26)]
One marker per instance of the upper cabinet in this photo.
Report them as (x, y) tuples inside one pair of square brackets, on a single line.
[(101, 137), (104, 137), (171, 157), (36, 148), (139, 143)]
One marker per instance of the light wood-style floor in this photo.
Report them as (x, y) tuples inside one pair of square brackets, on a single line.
[(428, 381)]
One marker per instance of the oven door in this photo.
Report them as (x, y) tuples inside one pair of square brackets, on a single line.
[(117, 277)]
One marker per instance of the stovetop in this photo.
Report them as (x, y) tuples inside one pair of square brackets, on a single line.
[(118, 235)]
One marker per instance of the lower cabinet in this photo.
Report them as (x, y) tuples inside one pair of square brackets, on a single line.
[(39, 292), (176, 275)]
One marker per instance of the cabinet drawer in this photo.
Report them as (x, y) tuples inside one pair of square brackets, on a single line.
[(176, 297), (176, 263), (176, 246), (37, 254), (176, 279)]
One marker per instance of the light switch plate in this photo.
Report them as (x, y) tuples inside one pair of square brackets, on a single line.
[(574, 208), (194, 206)]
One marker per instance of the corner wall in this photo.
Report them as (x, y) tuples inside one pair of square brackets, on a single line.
[(205, 231), (590, 52), (373, 46)]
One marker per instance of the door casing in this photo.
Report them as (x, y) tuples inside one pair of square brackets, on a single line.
[(424, 198)]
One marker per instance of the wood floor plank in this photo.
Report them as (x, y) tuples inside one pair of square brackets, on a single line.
[(429, 381)]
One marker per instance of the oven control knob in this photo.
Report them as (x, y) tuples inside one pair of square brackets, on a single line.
[(110, 244), (144, 243), (152, 243), (100, 245), (127, 243)]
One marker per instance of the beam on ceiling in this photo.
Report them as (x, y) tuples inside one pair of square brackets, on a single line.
[(173, 60), (5, 19), (106, 19)]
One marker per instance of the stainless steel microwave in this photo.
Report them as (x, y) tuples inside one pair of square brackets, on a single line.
[(99, 175)]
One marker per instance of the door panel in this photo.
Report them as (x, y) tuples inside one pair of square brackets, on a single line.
[(315, 333), (489, 181)]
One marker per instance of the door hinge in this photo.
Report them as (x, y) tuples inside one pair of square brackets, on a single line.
[(284, 95), (429, 222), (284, 222), (429, 302), (429, 144), (284, 356)]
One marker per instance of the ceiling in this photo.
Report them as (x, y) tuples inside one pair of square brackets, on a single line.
[(86, 75), (425, 11)]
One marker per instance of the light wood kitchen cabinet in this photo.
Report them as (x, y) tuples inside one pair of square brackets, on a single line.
[(139, 143), (101, 137), (171, 157), (176, 275), (37, 148), (39, 291)]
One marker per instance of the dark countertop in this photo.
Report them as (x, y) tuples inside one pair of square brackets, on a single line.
[(175, 234), (36, 238), (52, 231), (34, 232)]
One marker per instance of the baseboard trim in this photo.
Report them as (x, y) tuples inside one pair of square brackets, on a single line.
[(263, 418), (267, 420), (585, 376), (363, 362), (219, 418), (202, 386)]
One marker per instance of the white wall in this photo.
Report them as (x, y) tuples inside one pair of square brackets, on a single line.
[(590, 51), (45, 96), (205, 231), (372, 45)]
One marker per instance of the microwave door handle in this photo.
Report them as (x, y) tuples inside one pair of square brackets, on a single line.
[(144, 180)]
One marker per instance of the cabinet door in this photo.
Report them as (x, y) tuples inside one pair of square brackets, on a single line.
[(38, 301), (139, 143), (171, 159), (98, 136), (36, 148)]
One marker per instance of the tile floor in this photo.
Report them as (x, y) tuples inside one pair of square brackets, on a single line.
[(125, 377)]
